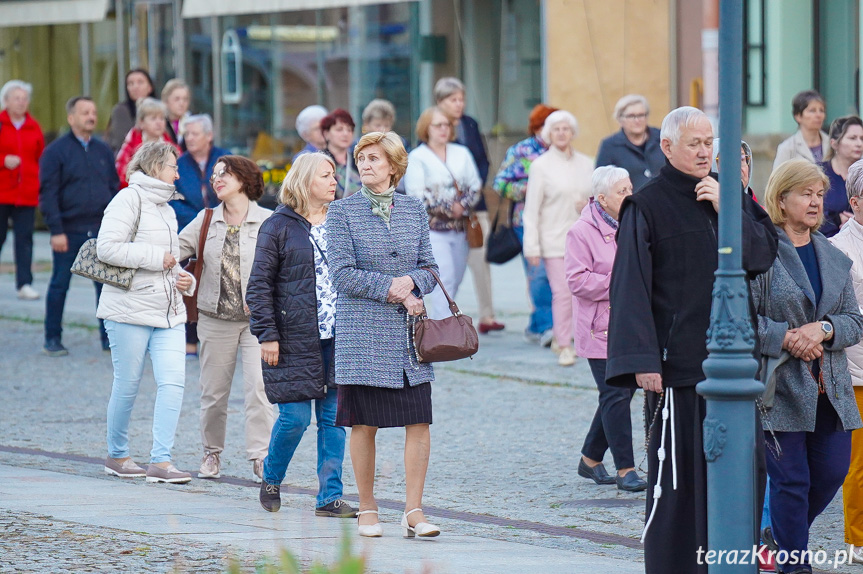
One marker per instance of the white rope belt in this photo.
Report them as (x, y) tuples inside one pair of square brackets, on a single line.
[(667, 413)]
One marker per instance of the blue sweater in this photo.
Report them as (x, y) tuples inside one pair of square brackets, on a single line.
[(193, 184), (76, 184)]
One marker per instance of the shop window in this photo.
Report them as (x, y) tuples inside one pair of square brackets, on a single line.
[(754, 53)]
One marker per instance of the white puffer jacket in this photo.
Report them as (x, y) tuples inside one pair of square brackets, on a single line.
[(153, 300), (849, 241)]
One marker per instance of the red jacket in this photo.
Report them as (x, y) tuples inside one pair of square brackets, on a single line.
[(20, 186), (133, 141)]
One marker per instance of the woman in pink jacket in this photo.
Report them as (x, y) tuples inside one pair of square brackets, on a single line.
[(590, 250)]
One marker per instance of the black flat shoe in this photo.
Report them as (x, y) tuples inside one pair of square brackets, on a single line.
[(630, 482), (597, 474)]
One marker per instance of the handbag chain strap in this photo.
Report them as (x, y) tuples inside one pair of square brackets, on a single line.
[(137, 219)]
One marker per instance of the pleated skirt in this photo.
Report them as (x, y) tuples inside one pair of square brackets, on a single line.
[(384, 407)]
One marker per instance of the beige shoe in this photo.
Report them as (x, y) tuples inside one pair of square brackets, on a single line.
[(258, 470), (126, 470), (210, 466), (555, 348), (856, 554), (566, 357), (170, 474)]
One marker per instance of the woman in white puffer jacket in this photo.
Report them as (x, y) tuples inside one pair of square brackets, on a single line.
[(150, 316), (849, 240)]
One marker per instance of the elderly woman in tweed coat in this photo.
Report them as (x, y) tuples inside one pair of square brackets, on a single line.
[(807, 317), (379, 253)]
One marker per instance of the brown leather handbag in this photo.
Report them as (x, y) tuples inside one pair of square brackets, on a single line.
[(472, 228), (195, 266), (450, 339)]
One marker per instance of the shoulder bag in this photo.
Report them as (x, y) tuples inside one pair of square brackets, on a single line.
[(450, 339), (88, 265), (502, 243), (195, 267), (472, 228)]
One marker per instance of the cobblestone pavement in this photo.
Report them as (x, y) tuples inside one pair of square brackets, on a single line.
[(506, 439), (39, 544)]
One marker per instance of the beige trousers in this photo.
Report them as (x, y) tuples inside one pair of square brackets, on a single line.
[(220, 341), (481, 272)]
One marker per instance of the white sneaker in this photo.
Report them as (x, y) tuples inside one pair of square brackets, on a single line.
[(27, 293), (566, 357)]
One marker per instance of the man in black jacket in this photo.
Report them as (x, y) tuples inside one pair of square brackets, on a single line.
[(78, 180), (661, 294)]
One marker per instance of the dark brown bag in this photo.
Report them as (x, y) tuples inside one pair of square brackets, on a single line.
[(450, 339), (195, 266), (474, 231), (472, 228)]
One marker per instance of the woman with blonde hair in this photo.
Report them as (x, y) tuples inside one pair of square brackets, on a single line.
[(150, 126), (381, 261), (139, 231), (177, 97), (292, 304), (807, 316)]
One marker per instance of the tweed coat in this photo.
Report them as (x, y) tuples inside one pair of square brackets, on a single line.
[(791, 305), (364, 257)]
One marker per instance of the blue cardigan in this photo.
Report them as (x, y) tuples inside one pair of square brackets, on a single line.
[(76, 185), (642, 164), (191, 184)]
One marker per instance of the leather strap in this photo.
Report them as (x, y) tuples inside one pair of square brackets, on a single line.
[(452, 305), (202, 240)]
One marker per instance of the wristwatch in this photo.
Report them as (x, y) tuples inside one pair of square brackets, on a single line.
[(827, 328)]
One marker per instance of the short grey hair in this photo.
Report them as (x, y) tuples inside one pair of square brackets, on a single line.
[(310, 115), (604, 178), (379, 109), (150, 158), (445, 87), (14, 85), (678, 119), (150, 107), (854, 183), (629, 100), (556, 118), (204, 119)]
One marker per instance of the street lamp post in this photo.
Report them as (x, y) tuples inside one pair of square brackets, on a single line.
[(730, 388)]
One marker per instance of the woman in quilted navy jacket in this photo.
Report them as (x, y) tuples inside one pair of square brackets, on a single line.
[(292, 304)]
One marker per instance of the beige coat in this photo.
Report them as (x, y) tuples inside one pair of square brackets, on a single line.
[(795, 147), (210, 287), (849, 241), (559, 190)]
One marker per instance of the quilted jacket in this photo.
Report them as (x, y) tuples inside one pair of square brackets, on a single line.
[(283, 303)]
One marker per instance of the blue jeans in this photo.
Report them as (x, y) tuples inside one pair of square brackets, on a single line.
[(540, 292), (23, 219), (293, 420), (55, 302), (129, 347)]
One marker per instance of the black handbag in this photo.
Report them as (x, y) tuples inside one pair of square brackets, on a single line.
[(502, 243)]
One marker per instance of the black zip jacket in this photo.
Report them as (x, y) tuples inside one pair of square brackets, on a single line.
[(663, 275), (282, 300)]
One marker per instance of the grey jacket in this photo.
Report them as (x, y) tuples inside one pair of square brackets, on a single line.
[(792, 304), (364, 257), (210, 287)]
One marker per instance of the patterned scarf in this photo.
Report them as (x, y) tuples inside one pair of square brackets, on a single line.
[(382, 203), (605, 216)]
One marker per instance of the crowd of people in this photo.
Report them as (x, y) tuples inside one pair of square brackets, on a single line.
[(317, 298)]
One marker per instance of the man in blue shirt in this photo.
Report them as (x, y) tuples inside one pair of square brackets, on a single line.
[(78, 180)]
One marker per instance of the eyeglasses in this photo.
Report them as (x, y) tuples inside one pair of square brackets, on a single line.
[(441, 125), (218, 175), (635, 117), (172, 166)]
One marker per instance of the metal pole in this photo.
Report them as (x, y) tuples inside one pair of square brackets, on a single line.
[(120, 22), (730, 388)]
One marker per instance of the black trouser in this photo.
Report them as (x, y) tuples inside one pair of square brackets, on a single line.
[(22, 225), (612, 426)]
